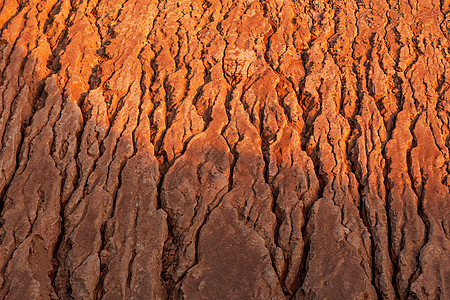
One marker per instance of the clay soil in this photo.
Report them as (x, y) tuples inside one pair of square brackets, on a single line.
[(219, 149)]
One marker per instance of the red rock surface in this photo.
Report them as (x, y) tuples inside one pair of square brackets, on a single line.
[(225, 149)]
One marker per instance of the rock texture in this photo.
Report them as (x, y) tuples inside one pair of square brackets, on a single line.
[(221, 149)]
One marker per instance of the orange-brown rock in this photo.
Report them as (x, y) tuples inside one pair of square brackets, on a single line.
[(224, 149)]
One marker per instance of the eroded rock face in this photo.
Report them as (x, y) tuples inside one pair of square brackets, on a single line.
[(224, 149)]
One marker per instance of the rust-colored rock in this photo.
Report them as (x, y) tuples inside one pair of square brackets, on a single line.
[(225, 149)]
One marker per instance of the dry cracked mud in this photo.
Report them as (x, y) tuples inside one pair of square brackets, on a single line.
[(218, 149)]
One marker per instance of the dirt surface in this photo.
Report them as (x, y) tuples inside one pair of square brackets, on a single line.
[(224, 149)]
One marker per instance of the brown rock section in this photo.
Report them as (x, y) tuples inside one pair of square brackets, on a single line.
[(224, 149)]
